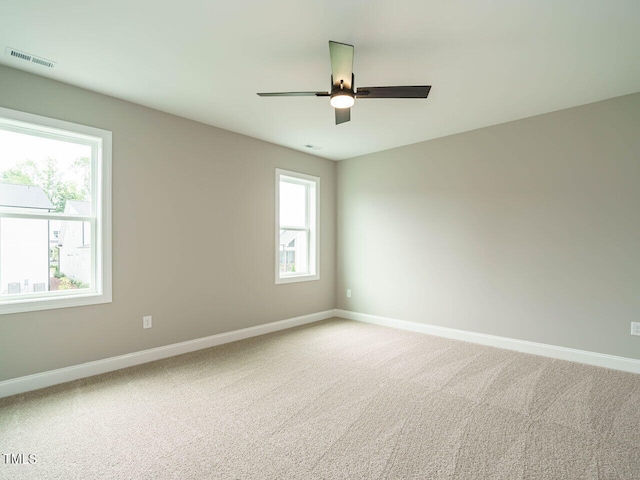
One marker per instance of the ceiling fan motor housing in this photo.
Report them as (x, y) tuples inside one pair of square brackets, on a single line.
[(342, 97)]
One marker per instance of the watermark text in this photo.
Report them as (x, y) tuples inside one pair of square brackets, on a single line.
[(18, 458)]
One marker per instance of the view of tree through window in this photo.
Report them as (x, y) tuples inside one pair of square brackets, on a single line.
[(41, 175)]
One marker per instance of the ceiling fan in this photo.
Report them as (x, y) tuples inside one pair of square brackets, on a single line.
[(343, 91)]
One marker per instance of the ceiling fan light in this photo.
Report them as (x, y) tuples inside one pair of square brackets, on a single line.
[(342, 100)]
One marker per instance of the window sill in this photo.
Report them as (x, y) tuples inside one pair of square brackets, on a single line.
[(297, 278), (35, 304)]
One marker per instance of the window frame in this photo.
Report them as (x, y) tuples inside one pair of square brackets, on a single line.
[(100, 219), (312, 215)]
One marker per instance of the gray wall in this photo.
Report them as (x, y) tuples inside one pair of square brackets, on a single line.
[(193, 234), (528, 230)]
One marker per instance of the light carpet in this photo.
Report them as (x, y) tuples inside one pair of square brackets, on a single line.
[(332, 400)]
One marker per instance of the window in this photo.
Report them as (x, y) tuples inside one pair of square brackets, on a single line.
[(55, 213), (297, 216)]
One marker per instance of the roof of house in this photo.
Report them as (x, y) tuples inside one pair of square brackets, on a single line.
[(78, 207), (73, 207), (287, 236), (24, 196)]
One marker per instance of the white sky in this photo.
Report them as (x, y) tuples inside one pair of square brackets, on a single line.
[(292, 204), (18, 147)]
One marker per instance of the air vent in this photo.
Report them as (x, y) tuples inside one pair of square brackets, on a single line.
[(312, 147), (42, 61), (27, 57), (23, 56)]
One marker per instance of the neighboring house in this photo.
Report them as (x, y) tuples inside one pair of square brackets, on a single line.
[(24, 243), (287, 251), (74, 243)]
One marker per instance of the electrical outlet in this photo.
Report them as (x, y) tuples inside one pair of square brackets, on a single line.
[(635, 328), (348, 293), (147, 322)]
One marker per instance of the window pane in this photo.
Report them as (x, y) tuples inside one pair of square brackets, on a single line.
[(24, 250), (294, 248), (46, 174), (74, 256), (293, 204), (33, 260)]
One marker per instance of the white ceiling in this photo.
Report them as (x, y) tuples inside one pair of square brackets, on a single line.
[(488, 61)]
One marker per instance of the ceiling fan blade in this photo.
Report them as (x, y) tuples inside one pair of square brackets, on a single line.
[(394, 92), (295, 94), (342, 115), (341, 63)]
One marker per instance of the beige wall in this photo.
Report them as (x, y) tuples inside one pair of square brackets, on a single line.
[(193, 234), (528, 230)]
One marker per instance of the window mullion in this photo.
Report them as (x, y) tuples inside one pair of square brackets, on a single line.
[(296, 229), (46, 216)]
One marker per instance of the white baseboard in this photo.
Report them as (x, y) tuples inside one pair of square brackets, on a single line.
[(561, 353), (67, 374)]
